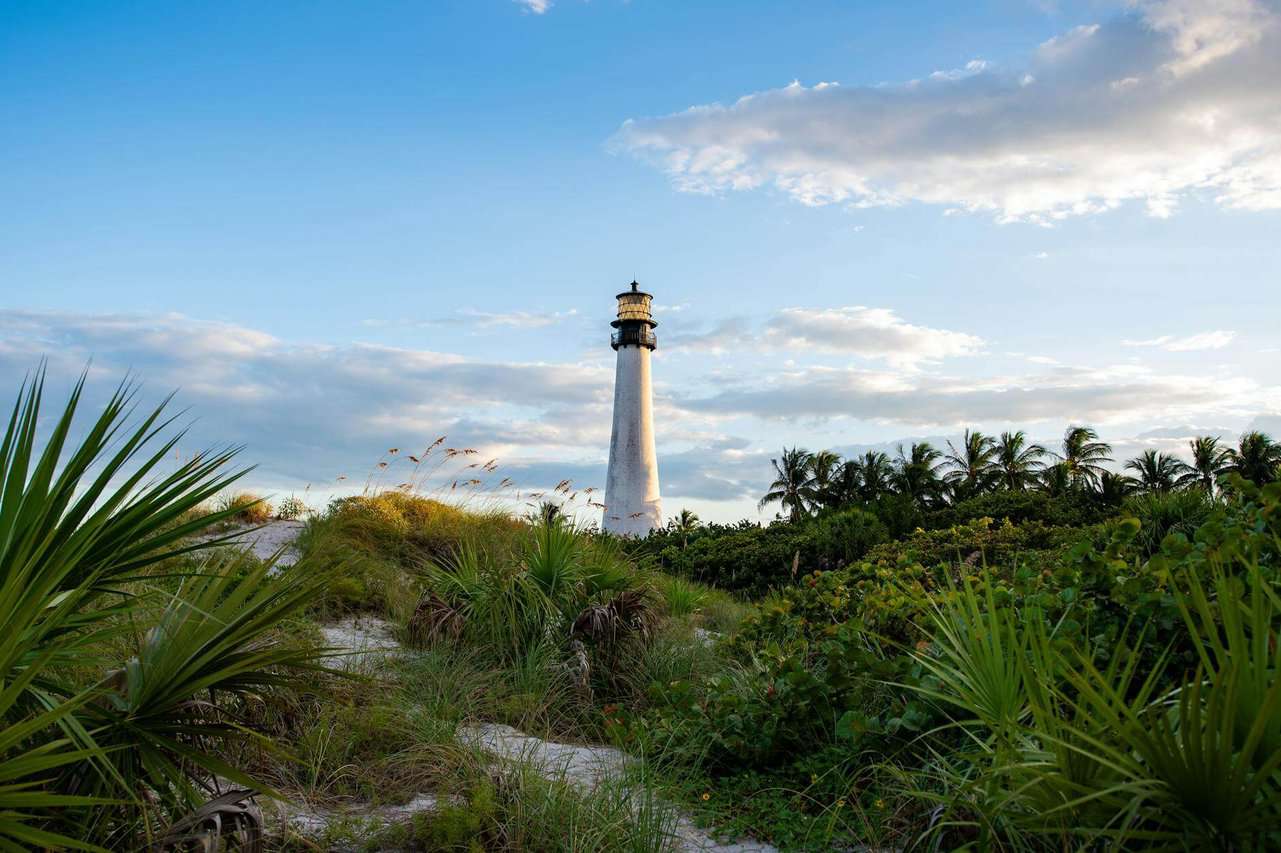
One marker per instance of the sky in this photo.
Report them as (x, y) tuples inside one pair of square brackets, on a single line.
[(337, 228)]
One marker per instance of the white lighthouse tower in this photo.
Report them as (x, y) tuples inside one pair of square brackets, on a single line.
[(632, 503)]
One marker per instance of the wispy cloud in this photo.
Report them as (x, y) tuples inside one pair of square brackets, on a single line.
[(1171, 98), (536, 7), (308, 411), (876, 333), (1098, 395), (517, 319), (1217, 339)]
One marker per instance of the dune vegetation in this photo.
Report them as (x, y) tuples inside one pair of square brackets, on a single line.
[(997, 650)]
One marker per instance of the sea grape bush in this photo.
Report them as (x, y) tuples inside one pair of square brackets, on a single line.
[(846, 667)]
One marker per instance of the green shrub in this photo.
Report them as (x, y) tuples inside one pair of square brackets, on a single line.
[(291, 508), (842, 537), (1071, 510), (1161, 514), (681, 597), (1079, 696)]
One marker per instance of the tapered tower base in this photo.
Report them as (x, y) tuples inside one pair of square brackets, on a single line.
[(632, 503)]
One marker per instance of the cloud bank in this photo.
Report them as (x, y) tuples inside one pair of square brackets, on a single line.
[(1172, 98), (309, 413)]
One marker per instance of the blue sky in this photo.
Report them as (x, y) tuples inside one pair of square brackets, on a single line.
[(339, 227)]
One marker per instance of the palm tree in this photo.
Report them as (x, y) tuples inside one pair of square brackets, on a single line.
[(1256, 458), (824, 466), (916, 473), (1017, 461), (848, 483), (972, 465), (875, 475), (685, 524), (1084, 455), (792, 483), (1209, 460), (1158, 472), (1056, 480), (1111, 489)]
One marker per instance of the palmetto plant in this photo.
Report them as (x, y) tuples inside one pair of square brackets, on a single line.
[(1157, 472), (1083, 455), (78, 523), (1017, 461), (793, 483), (562, 577), (1078, 747)]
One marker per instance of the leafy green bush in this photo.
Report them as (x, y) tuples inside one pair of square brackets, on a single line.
[(1070, 510), (291, 508), (981, 541), (842, 537), (1072, 696)]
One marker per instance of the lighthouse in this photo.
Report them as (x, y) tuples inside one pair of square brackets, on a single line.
[(632, 503)]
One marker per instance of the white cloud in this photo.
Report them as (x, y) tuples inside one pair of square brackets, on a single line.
[(537, 7), (1217, 339), (869, 332), (1174, 97), (1064, 394), (875, 333), (308, 411), (518, 319)]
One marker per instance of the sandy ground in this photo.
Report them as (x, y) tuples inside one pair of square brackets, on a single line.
[(586, 767), (266, 541), (367, 640)]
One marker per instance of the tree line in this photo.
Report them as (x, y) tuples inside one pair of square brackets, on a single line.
[(808, 482)]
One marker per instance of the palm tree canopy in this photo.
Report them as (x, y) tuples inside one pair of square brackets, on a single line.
[(916, 473), (792, 486), (848, 484), (1157, 472), (824, 468), (1084, 454), (1209, 462), (1112, 488), (686, 522), (1256, 458), (875, 475), (1017, 461), (972, 464)]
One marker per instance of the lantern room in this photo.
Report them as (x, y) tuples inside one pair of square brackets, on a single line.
[(635, 320)]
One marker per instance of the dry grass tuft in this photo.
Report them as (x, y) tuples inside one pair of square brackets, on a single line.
[(249, 508)]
